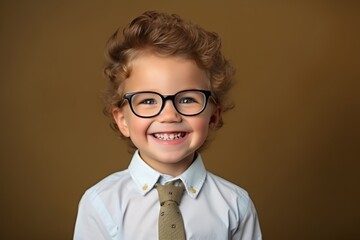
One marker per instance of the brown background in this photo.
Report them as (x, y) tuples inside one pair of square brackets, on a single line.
[(292, 141)]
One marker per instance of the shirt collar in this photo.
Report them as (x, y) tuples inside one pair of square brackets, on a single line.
[(146, 177)]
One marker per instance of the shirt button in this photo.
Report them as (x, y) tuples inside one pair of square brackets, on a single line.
[(145, 187)]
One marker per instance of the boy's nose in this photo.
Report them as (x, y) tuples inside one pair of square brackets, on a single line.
[(169, 113)]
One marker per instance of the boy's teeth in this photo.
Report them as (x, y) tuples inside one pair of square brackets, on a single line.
[(168, 136)]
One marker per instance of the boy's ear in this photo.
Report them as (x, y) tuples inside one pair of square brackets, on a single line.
[(119, 117), (215, 118)]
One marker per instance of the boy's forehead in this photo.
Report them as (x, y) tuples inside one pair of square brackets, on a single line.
[(173, 73)]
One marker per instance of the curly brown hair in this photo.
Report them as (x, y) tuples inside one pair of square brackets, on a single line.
[(165, 35)]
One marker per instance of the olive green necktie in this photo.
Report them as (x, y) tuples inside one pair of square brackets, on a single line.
[(171, 225)]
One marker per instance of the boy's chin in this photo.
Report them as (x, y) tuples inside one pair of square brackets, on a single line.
[(169, 159)]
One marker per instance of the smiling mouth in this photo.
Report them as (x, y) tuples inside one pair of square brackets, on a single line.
[(169, 136)]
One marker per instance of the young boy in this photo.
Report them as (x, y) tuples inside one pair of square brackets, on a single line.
[(168, 83)]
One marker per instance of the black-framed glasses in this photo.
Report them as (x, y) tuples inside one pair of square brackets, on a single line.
[(147, 104)]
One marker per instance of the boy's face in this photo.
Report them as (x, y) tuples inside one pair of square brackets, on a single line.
[(154, 137)]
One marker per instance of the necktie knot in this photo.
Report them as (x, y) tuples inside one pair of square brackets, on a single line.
[(170, 192)]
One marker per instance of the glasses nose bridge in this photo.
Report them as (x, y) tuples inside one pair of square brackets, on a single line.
[(168, 97), (165, 98)]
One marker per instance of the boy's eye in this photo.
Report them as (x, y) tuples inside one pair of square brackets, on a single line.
[(187, 100), (148, 101)]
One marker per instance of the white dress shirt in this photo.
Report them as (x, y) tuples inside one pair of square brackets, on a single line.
[(125, 206)]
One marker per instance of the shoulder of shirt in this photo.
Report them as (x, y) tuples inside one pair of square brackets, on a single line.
[(228, 185), (230, 191), (109, 183), (238, 198)]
